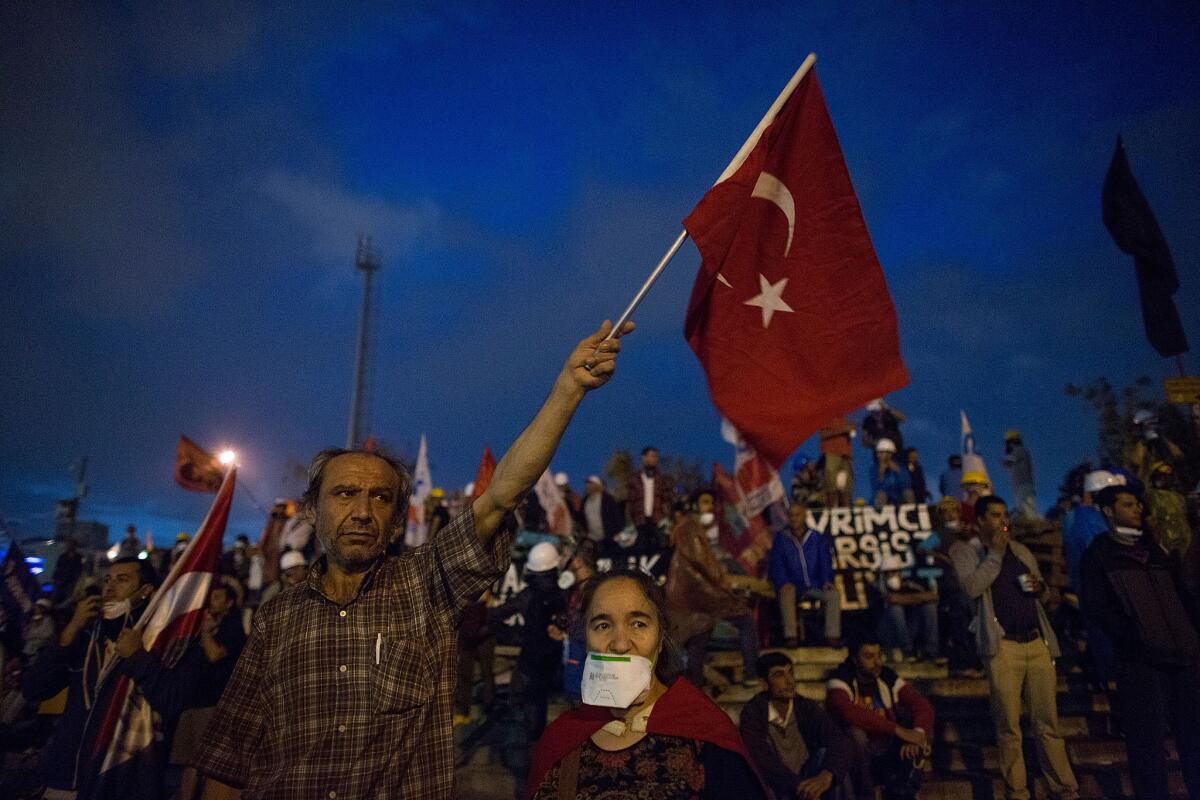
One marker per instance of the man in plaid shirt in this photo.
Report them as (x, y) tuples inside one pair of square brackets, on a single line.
[(344, 688)]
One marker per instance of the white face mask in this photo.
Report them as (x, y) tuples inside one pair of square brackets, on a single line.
[(615, 681), (119, 608), (566, 579), (707, 518), (1132, 533)]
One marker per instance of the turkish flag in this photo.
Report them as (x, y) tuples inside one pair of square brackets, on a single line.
[(790, 314), (196, 469), (122, 737)]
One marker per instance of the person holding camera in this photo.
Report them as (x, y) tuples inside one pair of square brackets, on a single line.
[(1017, 645)]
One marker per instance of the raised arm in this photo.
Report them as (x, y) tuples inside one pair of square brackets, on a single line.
[(530, 454)]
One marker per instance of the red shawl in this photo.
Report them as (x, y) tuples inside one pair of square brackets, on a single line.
[(683, 711)]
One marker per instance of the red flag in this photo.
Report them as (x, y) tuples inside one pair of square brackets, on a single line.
[(747, 539), (790, 314), (487, 467), (196, 469), (122, 744)]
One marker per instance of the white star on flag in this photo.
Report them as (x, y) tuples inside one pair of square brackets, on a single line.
[(769, 298)]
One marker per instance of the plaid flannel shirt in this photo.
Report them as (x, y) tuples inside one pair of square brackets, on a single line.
[(354, 701)]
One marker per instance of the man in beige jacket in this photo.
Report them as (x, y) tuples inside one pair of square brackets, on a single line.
[(1017, 646)]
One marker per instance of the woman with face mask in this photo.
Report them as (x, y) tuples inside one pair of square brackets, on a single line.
[(643, 731)]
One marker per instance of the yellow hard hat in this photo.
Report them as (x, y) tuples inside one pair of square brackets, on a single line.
[(438, 492), (1011, 434), (1162, 466), (974, 476)]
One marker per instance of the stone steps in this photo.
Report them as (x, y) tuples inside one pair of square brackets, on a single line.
[(965, 759)]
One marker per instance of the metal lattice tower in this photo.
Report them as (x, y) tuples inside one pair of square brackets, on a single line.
[(366, 260)]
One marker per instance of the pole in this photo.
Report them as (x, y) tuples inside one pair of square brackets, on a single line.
[(733, 167), (366, 261)]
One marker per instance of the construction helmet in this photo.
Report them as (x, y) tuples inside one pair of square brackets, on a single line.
[(1099, 479), (974, 476), (543, 557), (885, 446), (1012, 434)]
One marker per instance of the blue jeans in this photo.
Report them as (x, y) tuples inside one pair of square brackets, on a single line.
[(901, 625)]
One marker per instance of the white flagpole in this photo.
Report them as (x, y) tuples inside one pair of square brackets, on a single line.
[(737, 161)]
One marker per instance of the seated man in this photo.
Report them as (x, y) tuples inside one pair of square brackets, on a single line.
[(889, 721), (910, 611), (802, 566), (797, 747)]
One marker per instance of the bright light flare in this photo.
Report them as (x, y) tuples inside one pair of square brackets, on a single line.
[(227, 457)]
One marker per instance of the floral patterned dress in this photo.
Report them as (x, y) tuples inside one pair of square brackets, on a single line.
[(655, 768)]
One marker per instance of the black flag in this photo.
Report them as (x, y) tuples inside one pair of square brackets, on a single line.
[(1129, 219)]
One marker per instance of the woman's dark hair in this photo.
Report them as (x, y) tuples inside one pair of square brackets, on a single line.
[(670, 664)]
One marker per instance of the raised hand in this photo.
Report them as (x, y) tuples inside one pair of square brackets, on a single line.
[(592, 362)]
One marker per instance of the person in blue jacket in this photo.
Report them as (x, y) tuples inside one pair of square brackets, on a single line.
[(801, 566), (889, 481), (1081, 526)]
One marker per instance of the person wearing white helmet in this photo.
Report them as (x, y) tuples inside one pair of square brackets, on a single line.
[(882, 422), (540, 604), (1084, 523), (293, 569), (889, 481)]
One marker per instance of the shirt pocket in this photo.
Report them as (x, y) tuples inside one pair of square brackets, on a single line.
[(401, 680)]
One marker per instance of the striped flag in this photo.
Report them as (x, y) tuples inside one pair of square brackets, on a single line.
[(121, 752)]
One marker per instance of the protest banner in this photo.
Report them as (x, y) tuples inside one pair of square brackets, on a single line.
[(863, 536)]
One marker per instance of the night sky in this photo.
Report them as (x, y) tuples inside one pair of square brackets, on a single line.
[(182, 190)]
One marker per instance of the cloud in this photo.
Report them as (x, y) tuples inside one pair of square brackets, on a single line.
[(334, 217)]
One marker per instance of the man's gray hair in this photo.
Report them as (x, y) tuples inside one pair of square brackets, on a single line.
[(316, 474)]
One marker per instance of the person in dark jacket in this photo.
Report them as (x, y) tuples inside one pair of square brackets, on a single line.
[(542, 602), (1133, 592), (890, 722), (599, 516), (89, 648), (212, 660), (797, 747)]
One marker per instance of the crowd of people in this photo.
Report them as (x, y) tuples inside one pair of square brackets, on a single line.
[(412, 632)]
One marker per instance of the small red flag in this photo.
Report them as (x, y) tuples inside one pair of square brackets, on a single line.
[(790, 315), (487, 466), (196, 469)]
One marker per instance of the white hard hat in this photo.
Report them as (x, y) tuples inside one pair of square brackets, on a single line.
[(543, 557), (595, 479), (1099, 479), (292, 558), (561, 479), (469, 489), (875, 405), (1142, 417), (885, 446)]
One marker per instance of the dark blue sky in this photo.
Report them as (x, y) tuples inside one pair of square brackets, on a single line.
[(182, 190)]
